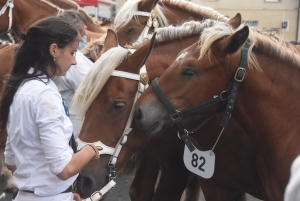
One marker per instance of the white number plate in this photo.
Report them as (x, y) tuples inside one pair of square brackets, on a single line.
[(199, 162)]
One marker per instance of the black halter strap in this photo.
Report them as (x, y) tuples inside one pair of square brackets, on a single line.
[(232, 89)]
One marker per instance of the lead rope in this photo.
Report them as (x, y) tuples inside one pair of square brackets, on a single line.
[(10, 4)]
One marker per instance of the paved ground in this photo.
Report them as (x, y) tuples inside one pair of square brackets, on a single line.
[(120, 192)]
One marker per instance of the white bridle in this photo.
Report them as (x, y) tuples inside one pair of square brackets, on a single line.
[(152, 21), (10, 4), (114, 152)]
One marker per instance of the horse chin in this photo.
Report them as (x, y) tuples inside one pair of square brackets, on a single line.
[(93, 178)]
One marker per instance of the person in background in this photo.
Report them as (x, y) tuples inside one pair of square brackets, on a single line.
[(68, 84), (37, 149)]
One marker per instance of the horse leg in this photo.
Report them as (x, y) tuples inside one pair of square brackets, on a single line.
[(214, 191), (192, 189), (174, 175), (143, 184)]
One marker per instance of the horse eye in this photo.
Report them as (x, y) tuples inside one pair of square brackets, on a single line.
[(189, 71), (118, 105), (132, 30)]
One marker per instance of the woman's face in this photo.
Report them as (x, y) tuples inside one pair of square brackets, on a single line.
[(66, 57)]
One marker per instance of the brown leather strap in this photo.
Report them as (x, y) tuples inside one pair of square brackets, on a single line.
[(68, 190)]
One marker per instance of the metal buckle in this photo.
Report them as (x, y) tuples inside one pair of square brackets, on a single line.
[(176, 116), (236, 73), (186, 133), (100, 194)]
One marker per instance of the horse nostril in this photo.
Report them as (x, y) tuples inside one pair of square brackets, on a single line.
[(138, 114), (85, 184)]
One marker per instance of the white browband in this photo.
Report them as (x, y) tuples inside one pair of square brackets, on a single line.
[(142, 13), (127, 75)]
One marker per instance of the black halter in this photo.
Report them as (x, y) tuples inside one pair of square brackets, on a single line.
[(229, 99)]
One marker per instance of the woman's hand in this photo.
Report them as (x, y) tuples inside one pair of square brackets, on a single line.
[(76, 197)]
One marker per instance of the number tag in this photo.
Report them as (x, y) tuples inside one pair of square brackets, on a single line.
[(199, 162)]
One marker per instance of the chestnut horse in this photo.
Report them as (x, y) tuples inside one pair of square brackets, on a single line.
[(25, 13), (130, 22), (105, 100), (265, 101)]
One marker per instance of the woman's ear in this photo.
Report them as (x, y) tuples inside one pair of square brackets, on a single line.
[(53, 50)]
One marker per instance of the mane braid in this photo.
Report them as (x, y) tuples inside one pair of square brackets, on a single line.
[(171, 32), (126, 13), (52, 5), (96, 78), (72, 3), (264, 41), (196, 9), (74, 6)]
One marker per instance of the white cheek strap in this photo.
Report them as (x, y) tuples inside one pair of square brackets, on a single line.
[(151, 22), (10, 4)]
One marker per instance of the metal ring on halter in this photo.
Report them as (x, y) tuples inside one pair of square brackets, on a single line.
[(226, 97), (186, 133)]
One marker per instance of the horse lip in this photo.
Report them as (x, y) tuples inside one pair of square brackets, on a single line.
[(152, 128)]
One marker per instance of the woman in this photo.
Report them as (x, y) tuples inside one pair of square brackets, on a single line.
[(37, 147), (68, 84)]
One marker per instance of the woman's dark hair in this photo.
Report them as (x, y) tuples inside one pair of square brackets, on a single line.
[(34, 52)]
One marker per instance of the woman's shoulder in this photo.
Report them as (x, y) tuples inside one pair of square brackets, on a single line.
[(35, 87)]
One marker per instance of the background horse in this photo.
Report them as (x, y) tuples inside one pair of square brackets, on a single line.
[(129, 24), (111, 102), (25, 13), (265, 102)]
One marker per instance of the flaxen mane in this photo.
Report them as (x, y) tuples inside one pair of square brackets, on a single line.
[(257, 39), (93, 47), (171, 32), (96, 78), (126, 13), (190, 7)]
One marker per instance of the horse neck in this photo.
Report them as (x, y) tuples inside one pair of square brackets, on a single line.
[(164, 53), (266, 108), (91, 26), (27, 12)]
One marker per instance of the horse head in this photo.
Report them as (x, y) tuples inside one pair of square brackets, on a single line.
[(105, 98), (187, 74), (131, 21)]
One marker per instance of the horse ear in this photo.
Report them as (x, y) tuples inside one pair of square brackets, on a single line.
[(111, 41), (147, 5), (236, 21), (233, 43), (141, 55)]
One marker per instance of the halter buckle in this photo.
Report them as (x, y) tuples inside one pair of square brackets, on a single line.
[(176, 116), (186, 133), (100, 194), (240, 74)]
